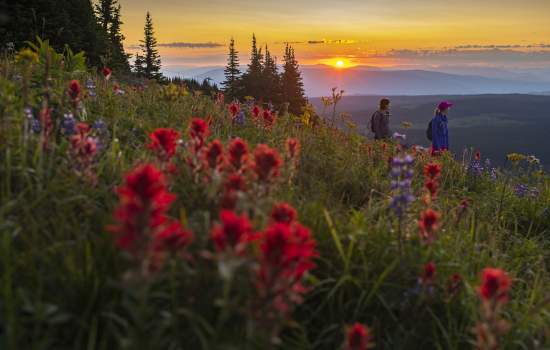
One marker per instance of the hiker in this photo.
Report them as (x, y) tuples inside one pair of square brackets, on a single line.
[(380, 121), (439, 131)]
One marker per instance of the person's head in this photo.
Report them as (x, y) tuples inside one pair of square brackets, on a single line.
[(444, 107), (384, 104)]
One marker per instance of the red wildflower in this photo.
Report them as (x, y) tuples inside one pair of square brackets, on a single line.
[(234, 108), (358, 337), (495, 285), (428, 275), (256, 112), (106, 72), (268, 117), (286, 250), (74, 90), (172, 237), (238, 153), (266, 162), (432, 170), (144, 202), (428, 224), (164, 142), (198, 129), (283, 213), (431, 186), (454, 284), (477, 156), (214, 154), (292, 148), (235, 182), (233, 232)]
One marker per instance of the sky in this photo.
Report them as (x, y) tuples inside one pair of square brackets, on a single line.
[(383, 33)]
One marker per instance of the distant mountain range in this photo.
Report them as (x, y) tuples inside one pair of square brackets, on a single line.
[(365, 80)]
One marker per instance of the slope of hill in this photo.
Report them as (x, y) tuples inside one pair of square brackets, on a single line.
[(494, 124), (146, 217)]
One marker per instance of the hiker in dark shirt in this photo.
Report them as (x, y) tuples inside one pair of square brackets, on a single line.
[(380, 121)]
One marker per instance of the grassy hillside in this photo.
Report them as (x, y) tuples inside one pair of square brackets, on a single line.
[(112, 234), (494, 124)]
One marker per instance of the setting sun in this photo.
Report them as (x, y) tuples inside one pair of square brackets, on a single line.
[(339, 63)]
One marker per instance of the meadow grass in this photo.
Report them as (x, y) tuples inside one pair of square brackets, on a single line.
[(62, 278)]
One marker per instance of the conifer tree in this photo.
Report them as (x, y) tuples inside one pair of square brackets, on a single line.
[(108, 17), (149, 52), (271, 79), (252, 79), (292, 83), (232, 73)]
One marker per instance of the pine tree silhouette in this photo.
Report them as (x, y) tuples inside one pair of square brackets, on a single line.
[(292, 83), (108, 16), (271, 79), (252, 79), (232, 73), (149, 53)]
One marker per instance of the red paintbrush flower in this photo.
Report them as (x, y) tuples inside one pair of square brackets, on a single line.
[(432, 170), (266, 162), (172, 237), (234, 108), (428, 275), (477, 156), (74, 90), (213, 155), (358, 337), (164, 142), (293, 148), (106, 73), (431, 186), (495, 285), (238, 153), (198, 129), (283, 213), (428, 224), (269, 117), (454, 284), (235, 182), (233, 233), (256, 112), (143, 204)]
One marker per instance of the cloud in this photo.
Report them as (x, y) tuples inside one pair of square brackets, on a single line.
[(471, 53), (510, 46), (179, 44), (207, 45)]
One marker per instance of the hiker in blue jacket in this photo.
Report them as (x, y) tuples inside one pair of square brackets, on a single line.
[(440, 132)]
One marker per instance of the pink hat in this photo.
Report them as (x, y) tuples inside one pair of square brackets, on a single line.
[(444, 105)]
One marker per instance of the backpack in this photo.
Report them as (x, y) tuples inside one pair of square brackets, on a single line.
[(372, 123), (429, 131)]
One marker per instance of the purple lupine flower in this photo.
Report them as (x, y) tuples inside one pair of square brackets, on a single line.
[(401, 181), (240, 118), (36, 126), (68, 124), (90, 85), (476, 168), (523, 191), (103, 136)]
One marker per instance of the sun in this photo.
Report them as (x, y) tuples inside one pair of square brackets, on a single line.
[(340, 64)]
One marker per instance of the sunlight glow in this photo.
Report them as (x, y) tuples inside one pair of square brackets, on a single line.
[(340, 63)]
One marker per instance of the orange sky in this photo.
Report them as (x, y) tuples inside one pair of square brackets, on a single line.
[(368, 29)]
